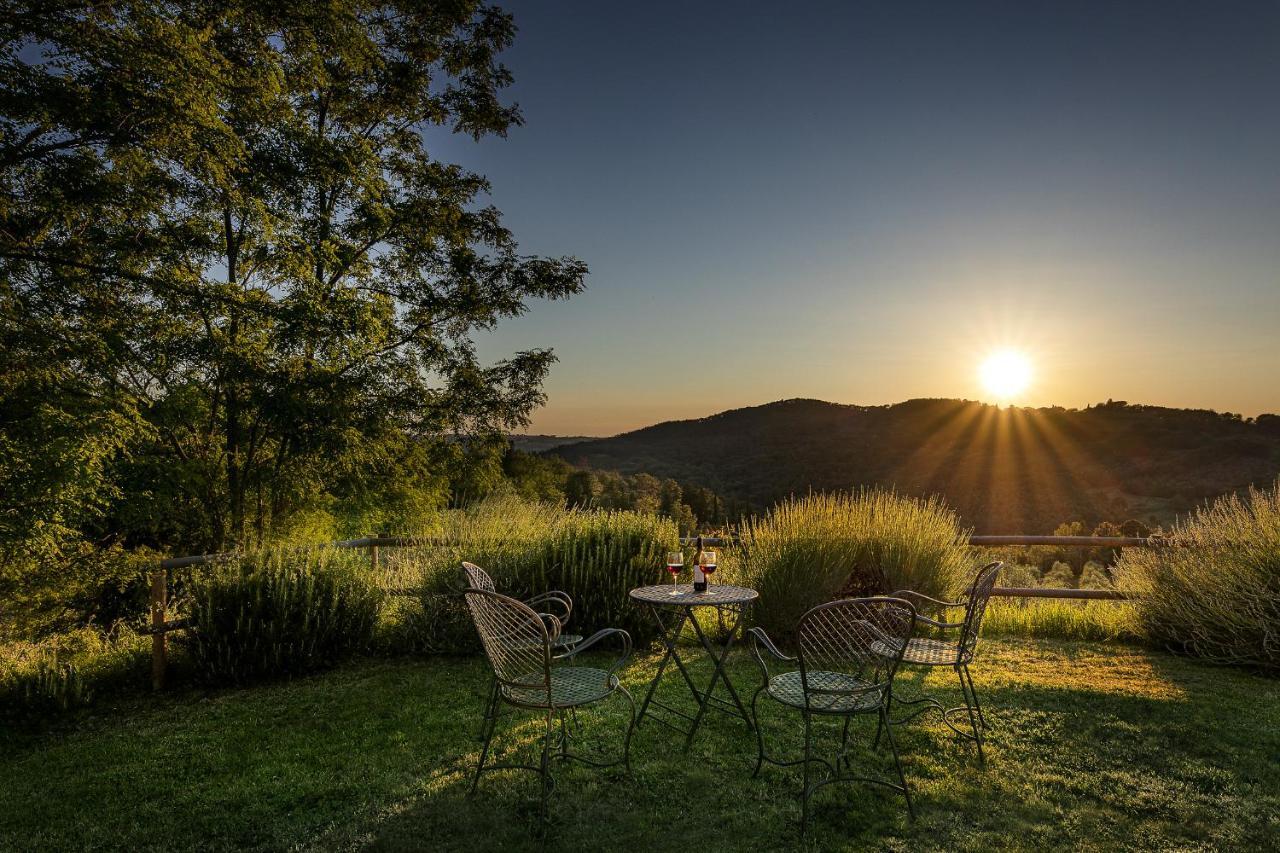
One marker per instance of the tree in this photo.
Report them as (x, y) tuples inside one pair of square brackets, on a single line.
[(225, 217)]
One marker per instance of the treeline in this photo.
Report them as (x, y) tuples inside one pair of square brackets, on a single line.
[(549, 478)]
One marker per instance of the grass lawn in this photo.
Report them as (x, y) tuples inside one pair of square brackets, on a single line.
[(1092, 746)]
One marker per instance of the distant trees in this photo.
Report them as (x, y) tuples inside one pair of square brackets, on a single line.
[(549, 478)]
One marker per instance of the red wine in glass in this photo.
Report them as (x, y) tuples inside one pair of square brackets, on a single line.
[(708, 563), (675, 562)]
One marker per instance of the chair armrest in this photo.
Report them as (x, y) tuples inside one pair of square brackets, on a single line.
[(554, 626), (563, 603), (936, 624), (913, 596), (759, 639), (597, 637)]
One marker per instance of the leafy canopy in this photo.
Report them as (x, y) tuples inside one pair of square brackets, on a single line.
[(222, 229)]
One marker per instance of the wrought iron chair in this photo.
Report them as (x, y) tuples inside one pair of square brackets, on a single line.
[(519, 644), (842, 674), (954, 647), (561, 603)]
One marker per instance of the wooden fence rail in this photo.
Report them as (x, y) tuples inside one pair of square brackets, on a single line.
[(161, 626)]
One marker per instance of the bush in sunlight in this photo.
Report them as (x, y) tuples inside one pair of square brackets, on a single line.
[(1214, 590), (596, 556), (809, 550)]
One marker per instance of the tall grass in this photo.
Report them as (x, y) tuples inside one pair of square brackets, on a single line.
[(280, 612), (1215, 591), (814, 549), (1053, 619), (69, 670), (597, 556)]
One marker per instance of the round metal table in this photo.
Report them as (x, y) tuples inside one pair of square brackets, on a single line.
[(672, 606)]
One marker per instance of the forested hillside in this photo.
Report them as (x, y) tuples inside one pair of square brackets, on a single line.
[(1006, 470)]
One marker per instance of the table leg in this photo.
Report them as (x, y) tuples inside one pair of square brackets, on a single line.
[(670, 637), (705, 699)]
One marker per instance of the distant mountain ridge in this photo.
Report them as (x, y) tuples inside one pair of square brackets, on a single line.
[(1014, 470), (540, 443)]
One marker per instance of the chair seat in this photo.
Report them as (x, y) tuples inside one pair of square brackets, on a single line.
[(788, 688), (923, 651), (570, 686)]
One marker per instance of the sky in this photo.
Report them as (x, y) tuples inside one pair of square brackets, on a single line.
[(857, 202)]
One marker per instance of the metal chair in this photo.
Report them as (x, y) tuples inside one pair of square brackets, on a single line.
[(519, 644), (478, 578), (842, 674), (954, 647)]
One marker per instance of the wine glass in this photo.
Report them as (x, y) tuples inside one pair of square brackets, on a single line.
[(675, 562), (708, 563)]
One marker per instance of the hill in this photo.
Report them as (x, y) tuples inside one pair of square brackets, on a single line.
[(1013, 470)]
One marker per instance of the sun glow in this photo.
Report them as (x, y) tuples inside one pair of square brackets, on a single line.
[(1005, 373)]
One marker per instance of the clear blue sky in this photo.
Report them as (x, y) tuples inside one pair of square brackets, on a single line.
[(855, 202)]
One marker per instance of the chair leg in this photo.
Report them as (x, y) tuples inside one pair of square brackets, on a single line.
[(564, 735), (973, 719), (883, 721), (974, 693), (489, 707), (545, 767), (844, 745), (808, 759), (897, 761), (755, 722), (490, 723), (631, 726)]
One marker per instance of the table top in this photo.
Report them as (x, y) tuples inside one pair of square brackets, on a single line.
[(716, 594)]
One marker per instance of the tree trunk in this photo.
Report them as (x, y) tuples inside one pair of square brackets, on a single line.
[(235, 472)]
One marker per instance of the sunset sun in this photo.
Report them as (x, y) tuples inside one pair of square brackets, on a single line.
[(1005, 373)]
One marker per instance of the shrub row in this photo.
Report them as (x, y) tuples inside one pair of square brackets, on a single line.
[(1215, 593)]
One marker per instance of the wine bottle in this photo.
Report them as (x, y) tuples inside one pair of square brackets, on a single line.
[(699, 579)]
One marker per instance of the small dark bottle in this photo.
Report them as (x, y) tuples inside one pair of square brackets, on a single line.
[(699, 579)]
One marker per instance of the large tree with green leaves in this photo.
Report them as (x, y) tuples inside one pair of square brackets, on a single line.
[(222, 223)]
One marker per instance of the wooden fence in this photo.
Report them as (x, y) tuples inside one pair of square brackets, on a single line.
[(161, 626)]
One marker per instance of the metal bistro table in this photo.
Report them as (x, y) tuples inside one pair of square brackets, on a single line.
[(672, 612)]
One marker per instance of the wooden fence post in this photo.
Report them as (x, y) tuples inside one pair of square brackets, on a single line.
[(159, 639), (373, 554)]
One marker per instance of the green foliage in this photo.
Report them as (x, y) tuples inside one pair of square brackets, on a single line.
[(76, 584), (597, 556), (810, 550), (1215, 591), (1059, 576), (551, 479), (280, 612), (225, 242), (1094, 576), (68, 671)]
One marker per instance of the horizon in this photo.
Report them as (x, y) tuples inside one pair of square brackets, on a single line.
[(863, 203), (1001, 406)]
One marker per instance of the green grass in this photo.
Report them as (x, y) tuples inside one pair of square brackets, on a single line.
[(1061, 619), (1093, 746)]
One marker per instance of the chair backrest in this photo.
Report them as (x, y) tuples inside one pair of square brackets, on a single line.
[(477, 578), (976, 606), (862, 638), (516, 640)]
